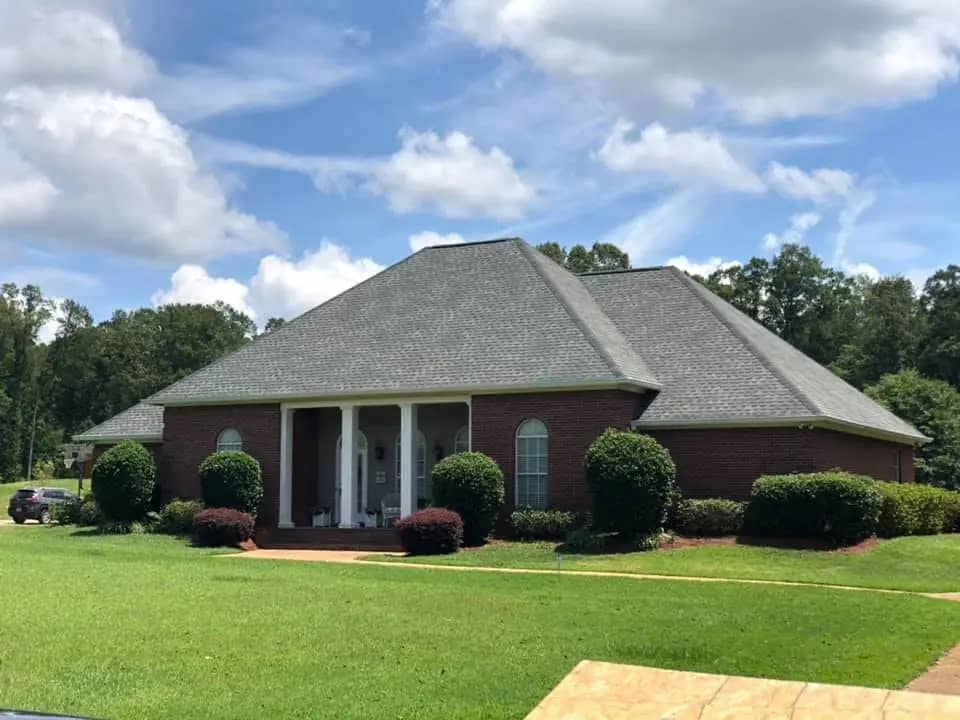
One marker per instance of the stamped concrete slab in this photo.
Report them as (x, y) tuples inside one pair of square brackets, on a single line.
[(611, 691)]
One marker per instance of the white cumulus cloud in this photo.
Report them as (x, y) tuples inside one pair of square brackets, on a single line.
[(703, 269), (795, 233), (193, 284), (761, 60), (281, 287), (818, 186), (691, 157), (429, 238), (452, 176)]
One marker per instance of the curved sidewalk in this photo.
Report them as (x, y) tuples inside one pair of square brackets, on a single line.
[(355, 557)]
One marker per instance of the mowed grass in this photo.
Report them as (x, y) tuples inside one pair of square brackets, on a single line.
[(922, 564), (147, 627)]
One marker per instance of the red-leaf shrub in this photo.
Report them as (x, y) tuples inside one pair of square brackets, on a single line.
[(433, 531), (216, 527)]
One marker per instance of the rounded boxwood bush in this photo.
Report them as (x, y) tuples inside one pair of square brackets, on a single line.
[(433, 531), (124, 478), (470, 484), (232, 479), (176, 518), (222, 527), (631, 478), (909, 509)]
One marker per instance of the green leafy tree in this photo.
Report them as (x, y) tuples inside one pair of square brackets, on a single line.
[(883, 340), (580, 260), (274, 323), (607, 256), (553, 251), (940, 334), (933, 406), (743, 286)]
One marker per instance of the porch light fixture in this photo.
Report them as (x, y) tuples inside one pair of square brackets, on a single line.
[(438, 451), (379, 452)]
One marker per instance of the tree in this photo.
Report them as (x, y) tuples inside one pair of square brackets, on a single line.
[(883, 340), (933, 407), (940, 334), (607, 256), (274, 323), (553, 251), (601, 257), (743, 286)]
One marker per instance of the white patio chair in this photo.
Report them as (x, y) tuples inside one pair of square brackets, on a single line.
[(390, 507)]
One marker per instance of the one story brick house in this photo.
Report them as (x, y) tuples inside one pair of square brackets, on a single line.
[(493, 347)]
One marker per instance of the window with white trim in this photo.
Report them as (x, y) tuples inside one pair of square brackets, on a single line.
[(532, 464), (229, 439), (419, 468), (461, 441)]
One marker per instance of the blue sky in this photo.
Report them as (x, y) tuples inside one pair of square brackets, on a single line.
[(272, 154)]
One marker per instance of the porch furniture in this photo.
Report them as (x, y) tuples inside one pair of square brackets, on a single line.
[(390, 507)]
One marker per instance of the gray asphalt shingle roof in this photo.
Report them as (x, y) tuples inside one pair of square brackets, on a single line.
[(493, 315), (717, 365), (141, 422), (499, 316)]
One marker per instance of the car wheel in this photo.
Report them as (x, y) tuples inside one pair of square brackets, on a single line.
[(19, 520), (44, 516)]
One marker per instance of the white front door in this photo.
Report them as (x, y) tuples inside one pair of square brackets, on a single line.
[(360, 489)]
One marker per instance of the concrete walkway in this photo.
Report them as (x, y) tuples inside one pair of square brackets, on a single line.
[(609, 691), (354, 556), (942, 677)]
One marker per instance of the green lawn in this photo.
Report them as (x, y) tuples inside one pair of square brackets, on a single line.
[(147, 627), (926, 564), (8, 489)]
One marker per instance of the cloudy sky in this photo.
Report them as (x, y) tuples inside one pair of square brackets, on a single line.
[(273, 154)]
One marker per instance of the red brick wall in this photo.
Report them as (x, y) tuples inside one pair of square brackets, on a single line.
[(306, 461), (573, 420), (710, 463), (725, 462), (190, 434)]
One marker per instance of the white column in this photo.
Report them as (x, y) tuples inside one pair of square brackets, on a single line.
[(408, 480), (349, 428), (469, 426), (286, 468)]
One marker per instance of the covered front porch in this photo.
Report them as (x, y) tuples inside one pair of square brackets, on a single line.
[(362, 466)]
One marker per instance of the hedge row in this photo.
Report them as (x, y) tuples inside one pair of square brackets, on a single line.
[(836, 505), (909, 509)]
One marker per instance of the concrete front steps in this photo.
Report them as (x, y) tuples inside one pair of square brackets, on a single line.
[(309, 538)]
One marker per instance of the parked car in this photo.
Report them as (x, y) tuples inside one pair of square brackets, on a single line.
[(37, 503)]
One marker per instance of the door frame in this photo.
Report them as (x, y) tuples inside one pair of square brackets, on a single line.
[(363, 451)]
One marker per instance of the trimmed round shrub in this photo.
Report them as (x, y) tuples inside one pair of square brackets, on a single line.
[(433, 531), (231, 479), (532, 524), (631, 478), (222, 527), (67, 512), (124, 478), (470, 484), (90, 514), (837, 505), (712, 517), (176, 518), (909, 509)]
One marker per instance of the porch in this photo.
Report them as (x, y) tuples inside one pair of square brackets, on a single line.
[(350, 467)]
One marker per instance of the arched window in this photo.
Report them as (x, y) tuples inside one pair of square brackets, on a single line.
[(461, 442), (532, 467), (230, 439), (419, 467)]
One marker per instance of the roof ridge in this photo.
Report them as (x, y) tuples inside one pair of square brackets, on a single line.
[(622, 271), (468, 243), (574, 314), (697, 290)]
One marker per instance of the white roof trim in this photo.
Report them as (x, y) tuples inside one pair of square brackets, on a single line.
[(820, 421)]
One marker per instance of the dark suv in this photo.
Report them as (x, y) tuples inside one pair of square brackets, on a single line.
[(36, 503)]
